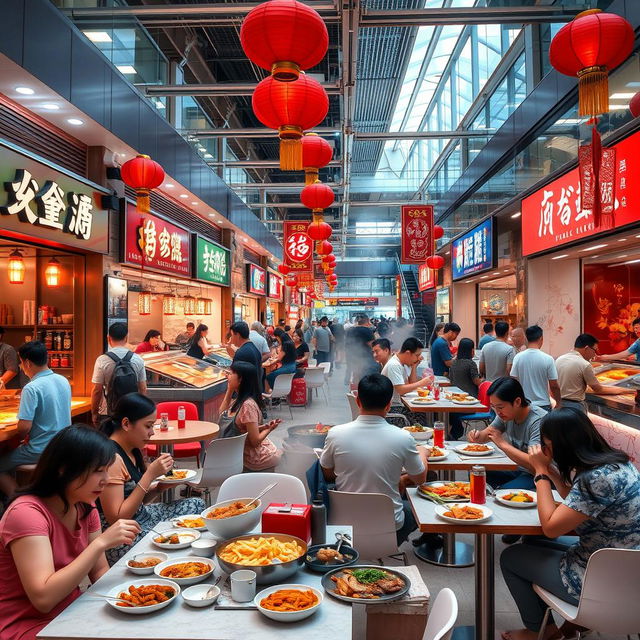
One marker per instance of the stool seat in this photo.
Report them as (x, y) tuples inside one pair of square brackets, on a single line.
[(26, 467)]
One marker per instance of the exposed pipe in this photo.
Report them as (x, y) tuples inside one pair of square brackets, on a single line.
[(329, 132), (218, 89), (256, 132), (260, 164), (276, 186)]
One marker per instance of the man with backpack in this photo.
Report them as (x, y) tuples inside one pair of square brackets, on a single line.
[(116, 373)]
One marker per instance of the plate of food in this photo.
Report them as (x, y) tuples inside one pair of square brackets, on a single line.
[(365, 582), (519, 498), (464, 401), (325, 557), (459, 396), (142, 596), (474, 449), (436, 453), (446, 491), (465, 514), (192, 521), (175, 538), (422, 401), (419, 432), (185, 571), (232, 518), (177, 476), (144, 563), (288, 602)]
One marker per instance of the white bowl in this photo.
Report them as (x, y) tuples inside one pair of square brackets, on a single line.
[(141, 571), (234, 526), (441, 509), (116, 591), (186, 538), (518, 505), (193, 596), (185, 581), (189, 516), (205, 546), (287, 616), (420, 435)]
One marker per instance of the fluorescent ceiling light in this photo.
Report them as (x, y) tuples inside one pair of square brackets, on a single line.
[(75, 121), (169, 185), (595, 246), (208, 155), (184, 195), (632, 261), (126, 69), (621, 96), (25, 91), (50, 106), (517, 215), (622, 239), (618, 107), (564, 255), (160, 104), (195, 204), (98, 36)]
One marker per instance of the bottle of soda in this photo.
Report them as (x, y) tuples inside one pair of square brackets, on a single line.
[(478, 478), (181, 417)]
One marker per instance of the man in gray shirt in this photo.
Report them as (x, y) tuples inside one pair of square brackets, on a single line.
[(497, 356), (256, 335), (322, 339)]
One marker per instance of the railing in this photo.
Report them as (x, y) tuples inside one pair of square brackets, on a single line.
[(405, 291)]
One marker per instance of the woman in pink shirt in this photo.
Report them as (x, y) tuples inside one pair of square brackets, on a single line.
[(50, 537)]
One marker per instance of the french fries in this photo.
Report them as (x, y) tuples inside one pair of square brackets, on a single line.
[(289, 600), (260, 551), (230, 510)]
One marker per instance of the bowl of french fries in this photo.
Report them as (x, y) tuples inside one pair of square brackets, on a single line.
[(273, 556), (232, 518)]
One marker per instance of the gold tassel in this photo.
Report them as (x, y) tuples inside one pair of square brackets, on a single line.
[(593, 91), (290, 154), (143, 202), (310, 175)]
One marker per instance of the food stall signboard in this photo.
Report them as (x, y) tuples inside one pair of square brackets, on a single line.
[(554, 215), (442, 303), (256, 280), (426, 278), (417, 234), (211, 262), (298, 246), (153, 243), (353, 302), (473, 252), (276, 286)]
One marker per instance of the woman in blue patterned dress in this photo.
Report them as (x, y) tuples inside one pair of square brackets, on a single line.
[(131, 482), (601, 503)]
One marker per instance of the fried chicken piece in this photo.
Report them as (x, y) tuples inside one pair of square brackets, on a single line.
[(390, 585), (327, 555)]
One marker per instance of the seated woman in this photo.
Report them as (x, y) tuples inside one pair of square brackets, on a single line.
[(601, 492), (130, 481), (243, 404), (463, 374), (50, 537), (152, 342), (199, 347), (286, 357), (302, 348)]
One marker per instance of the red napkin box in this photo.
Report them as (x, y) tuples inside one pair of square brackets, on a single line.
[(292, 519)]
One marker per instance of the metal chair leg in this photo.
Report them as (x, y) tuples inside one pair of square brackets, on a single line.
[(543, 626)]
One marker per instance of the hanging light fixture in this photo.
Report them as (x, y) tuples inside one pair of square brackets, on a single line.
[(144, 303), (16, 267), (169, 304), (203, 306), (52, 273), (189, 306)]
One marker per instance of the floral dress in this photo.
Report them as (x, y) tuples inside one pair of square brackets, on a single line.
[(266, 454)]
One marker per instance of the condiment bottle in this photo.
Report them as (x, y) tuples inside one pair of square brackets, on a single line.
[(438, 434), (318, 520), (181, 417), (164, 422), (478, 478)]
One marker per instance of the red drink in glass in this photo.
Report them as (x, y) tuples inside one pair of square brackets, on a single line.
[(438, 434)]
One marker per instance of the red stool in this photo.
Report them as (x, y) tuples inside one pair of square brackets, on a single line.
[(187, 450), (298, 395)]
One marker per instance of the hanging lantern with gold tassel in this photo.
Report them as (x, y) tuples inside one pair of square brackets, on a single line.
[(142, 174), (316, 153)]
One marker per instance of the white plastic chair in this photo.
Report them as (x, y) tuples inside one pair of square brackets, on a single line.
[(609, 598), (314, 379), (244, 485), (326, 367), (296, 463), (281, 389), (312, 362), (374, 527), (223, 458), (442, 617), (355, 411)]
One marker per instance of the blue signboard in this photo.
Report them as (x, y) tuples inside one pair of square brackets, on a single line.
[(473, 252)]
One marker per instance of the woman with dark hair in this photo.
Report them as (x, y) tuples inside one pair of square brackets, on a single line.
[(50, 537), (130, 481), (152, 342), (601, 503), (242, 406), (438, 330), (302, 348), (286, 357), (463, 374), (199, 347)]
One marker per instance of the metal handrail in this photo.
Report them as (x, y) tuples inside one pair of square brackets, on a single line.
[(405, 289)]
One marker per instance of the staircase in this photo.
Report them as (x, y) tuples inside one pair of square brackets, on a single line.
[(424, 313)]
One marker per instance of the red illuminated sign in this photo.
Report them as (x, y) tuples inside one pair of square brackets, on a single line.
[(417, 234), (426, 278), (555, 215), (256, 280), (276, 286), (298, 246)]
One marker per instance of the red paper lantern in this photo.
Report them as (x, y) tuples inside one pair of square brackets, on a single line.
[(319, 230), (283, 269), (316, 153), (291, 281), (324, 248), (284, 36), (290, 107), (435, 262), (317, 196), (634, 105), (328, 258), (142, 174), (438, 231), (589, 46)]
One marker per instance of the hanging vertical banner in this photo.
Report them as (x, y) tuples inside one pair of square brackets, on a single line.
[(298, 246), (587, 177), (417, 234), (607, 181), (426, 278), (398, 296), (305, 280)]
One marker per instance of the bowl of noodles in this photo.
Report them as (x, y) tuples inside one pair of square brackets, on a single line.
[(273, 556), (232, 518)]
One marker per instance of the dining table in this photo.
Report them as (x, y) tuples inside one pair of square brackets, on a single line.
[(504, 520)]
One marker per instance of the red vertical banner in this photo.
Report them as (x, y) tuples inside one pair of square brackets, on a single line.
[(587, 177), (417, 234), (426, 278), (607, 183), (298, 246), (398, 296)]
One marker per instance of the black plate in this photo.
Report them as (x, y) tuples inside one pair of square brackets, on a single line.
[(330, 586), (321, 567)]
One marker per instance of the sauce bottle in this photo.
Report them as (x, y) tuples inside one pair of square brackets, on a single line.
[(318, 520), (478, 478), (181, 417)]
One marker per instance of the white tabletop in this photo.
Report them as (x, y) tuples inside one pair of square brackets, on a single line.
[(496, 461), (91, 619), (443, 404)]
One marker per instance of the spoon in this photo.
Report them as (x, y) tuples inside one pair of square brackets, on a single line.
[(210, 590), (261, 494)]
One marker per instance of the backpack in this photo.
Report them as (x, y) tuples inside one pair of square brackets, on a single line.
[(123, 380)]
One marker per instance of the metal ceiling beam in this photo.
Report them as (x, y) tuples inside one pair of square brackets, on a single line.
[(259, 164), (256, 132), (355, 203), (217, 90), (283, 205), (276, 186), (422, 135), (466, 16)]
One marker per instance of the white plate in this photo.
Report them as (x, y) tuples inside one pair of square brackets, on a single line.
[(174, 522), (518, 505), (441, 509), (141, 571), (116, 591), (437, 458), (186, 538), (170, 480), (466, 402), (185, 581), (423, 401), (288, 616), (461, 449)]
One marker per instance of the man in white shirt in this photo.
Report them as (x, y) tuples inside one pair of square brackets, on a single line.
[(368, 455), (536, 371), (256, 335), (497, 357), (402, 369)]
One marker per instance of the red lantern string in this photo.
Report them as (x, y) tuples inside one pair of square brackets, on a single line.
[(316, 153)]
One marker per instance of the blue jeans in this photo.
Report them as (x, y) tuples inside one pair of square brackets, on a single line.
[(409, 525), (285, 368), (322, 356), (509, 479)]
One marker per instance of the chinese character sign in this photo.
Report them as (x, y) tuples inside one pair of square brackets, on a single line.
[(256, 280), (426, 278), (276, 286), (417, 234), (211, 262), (151, 241), (298, 246), (473, 252)]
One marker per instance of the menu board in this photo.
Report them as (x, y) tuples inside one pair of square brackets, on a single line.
[(256, 280)]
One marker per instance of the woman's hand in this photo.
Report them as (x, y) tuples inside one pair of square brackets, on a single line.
[(539, 459), (160, 466), (119, 533), (273, 424), (473, 435)]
